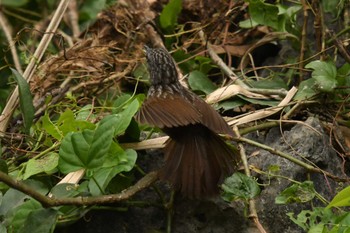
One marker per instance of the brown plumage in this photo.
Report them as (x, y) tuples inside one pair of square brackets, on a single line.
[(196, 158)]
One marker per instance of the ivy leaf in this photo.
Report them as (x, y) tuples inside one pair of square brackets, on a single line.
[(123, 119), (229, 104), (274, 83), (20, 213), (266, 14), (11, 200), (25, 100), (299, 193), (40, 221), (325, 74), (66, 123), (50, 127), (120, 102), (86, 149), (259, 101), (168, 17), (239, 186), (123, 161), (200, 82), (309, 220), (307, 89), (45, 164)]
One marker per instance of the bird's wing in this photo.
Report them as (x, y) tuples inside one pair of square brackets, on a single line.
[(169, 111), (211, 118)]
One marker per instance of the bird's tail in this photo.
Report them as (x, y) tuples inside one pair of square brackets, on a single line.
[(195, 164)]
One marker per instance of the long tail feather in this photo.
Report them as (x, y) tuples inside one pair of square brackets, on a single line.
[(197, 162)]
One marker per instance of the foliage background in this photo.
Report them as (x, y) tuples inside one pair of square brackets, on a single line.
[(76, 114)]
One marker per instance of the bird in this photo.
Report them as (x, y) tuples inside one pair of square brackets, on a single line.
[(197, 159)]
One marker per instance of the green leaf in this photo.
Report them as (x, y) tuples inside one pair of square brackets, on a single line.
[(307, 89), (20, 213), (87, 149), (123, 161), (343, 79), (334, 7), (200, 82), (205, 64), (14, 198), (342, 223), (46, 164), (123, 119), (341, 199), (248, 23), (266, 14), (10, 200), (308, 219), (25, 100), (50, 128), (259, 101), (67, 123), (275, 83), (168, 17), (325, 74), (274, 169), (116, 154), (85, 113), (37, 186), (299, 193), (317, 228), (186, 64), (239, 186), (40, 221), (230, 104), (120, 102)]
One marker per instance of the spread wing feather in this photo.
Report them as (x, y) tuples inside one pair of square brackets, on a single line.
[(212, 119), (168, 112)]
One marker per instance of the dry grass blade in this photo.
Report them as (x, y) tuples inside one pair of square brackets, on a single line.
[(265, 112), (154, 143), (224, 93)]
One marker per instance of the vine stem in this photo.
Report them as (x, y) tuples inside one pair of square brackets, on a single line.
[(46, 201)]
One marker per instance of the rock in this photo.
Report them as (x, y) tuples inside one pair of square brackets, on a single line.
[(309, 143)]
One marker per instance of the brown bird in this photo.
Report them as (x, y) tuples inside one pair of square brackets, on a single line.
[(196, 158)]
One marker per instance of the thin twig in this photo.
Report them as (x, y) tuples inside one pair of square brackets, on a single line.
[(6, 27), (46, 201), (252, 209), (74, 18), (303, 39)]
